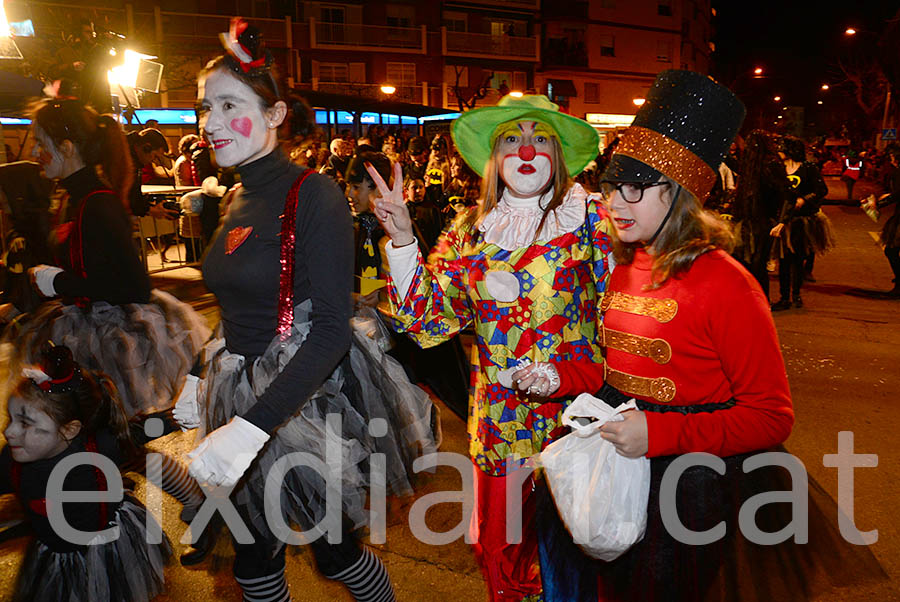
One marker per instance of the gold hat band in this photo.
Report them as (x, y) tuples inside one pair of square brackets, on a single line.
[(669, 158)]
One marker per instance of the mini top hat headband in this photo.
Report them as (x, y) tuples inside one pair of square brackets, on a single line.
[(58, 371), (682, 131), (245, 51)]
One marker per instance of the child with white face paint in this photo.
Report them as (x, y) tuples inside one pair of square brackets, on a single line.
[(55, 411), (526, 267)]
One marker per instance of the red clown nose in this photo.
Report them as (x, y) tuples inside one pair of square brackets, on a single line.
[(526, 153)]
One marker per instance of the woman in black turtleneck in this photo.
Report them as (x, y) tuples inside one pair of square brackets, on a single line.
[(101, 305), (146, 341), (281, 266)]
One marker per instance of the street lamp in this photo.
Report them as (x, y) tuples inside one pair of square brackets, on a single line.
[(758, 71), (388, 89), (825, 86), (850, 31), (777, 99)]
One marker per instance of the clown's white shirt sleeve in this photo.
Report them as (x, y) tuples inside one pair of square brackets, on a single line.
[(402, 263)]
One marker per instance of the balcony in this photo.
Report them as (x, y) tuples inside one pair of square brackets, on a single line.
[(412, 94), (479, 45), (503, 4), (376, 38)]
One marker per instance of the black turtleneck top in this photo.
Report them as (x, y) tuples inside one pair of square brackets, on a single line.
[(111, 261), (245, 281)]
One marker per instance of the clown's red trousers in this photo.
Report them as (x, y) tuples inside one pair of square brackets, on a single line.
[(510, 569)]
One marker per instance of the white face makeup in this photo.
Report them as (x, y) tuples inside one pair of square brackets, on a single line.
[(233, 120), (526, 159), (32, 435), (46, 153), (638, 222)]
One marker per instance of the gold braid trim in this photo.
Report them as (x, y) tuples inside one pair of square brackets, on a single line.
[(658, 350), (661, 310), (661, 389)]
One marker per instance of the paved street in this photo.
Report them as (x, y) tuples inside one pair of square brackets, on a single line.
[(842, 357)]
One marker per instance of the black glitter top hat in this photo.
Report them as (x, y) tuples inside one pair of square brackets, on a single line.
[(246, 52), (682, 131)]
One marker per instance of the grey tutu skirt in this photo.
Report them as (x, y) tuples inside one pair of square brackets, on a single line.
[(379, 412), (126, 569), (147, 349)]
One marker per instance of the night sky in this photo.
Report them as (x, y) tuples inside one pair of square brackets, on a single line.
[(798, 43)]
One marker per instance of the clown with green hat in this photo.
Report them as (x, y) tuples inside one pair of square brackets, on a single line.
[(526, 268)]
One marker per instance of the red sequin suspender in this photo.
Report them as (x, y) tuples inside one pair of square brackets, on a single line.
[(288, 239), (39, 506), (76, 244)]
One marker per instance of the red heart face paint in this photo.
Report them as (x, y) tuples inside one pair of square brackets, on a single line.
[(233, 120), (242, 126), (526, 158)]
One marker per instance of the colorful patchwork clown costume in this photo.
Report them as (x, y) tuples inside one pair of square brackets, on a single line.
[(526, 270)]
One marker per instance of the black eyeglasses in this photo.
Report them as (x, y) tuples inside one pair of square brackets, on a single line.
[(631, 192)]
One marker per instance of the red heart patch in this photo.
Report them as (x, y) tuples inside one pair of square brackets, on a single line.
[(236, 237)]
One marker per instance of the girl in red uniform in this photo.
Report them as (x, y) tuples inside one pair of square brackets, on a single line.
[(688, 332)]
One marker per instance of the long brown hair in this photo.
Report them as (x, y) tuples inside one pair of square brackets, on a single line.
[(492, 186), (97, 138), (689, 232)]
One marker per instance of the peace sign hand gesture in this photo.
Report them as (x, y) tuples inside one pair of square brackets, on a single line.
[(390, 209)]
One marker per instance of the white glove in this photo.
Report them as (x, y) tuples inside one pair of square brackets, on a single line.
[(539, 380), (226, 453), (42, 276), (187, 411), (192, 202)]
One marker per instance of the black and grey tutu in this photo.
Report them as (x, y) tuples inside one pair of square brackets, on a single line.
[(126, 569), (147, 349), (368, 385), (805, 235)]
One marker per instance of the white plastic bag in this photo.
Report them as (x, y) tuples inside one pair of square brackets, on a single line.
[(601, 495)]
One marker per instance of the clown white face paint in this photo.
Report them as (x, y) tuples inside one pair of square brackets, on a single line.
[(31, 433), (526, 158), (46, 153), (232, 117)]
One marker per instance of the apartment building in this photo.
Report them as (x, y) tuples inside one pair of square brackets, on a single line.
[(596, 58), (600, 56)]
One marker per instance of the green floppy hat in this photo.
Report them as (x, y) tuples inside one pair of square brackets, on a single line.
[(474, 131)]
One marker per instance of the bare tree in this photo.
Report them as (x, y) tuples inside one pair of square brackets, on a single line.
[(467, 97)]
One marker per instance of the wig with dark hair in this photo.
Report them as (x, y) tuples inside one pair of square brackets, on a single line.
[(98, 139), (89, 397), (689, 232), (760, 156)]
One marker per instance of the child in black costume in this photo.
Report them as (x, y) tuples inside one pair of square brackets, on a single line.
[(56, 411)]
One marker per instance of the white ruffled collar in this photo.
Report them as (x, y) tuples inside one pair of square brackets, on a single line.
[(512, 223)]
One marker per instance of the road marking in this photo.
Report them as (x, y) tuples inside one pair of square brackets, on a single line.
[(876, 236)]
